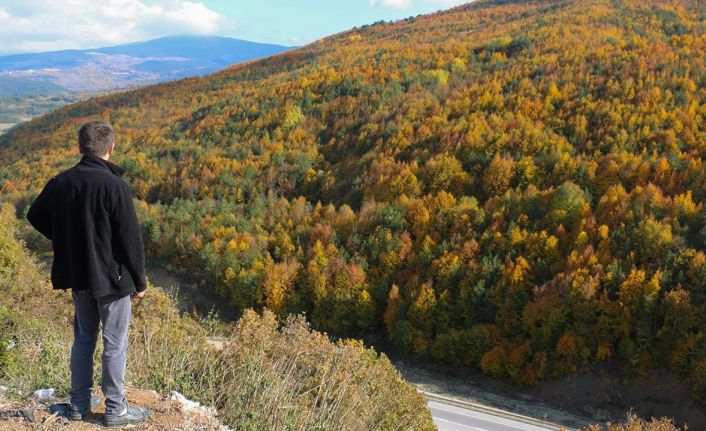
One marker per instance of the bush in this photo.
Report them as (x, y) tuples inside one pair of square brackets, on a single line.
[(268, 375), (462, 347), (567, 203)]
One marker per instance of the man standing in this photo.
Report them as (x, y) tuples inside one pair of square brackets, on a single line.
[(88, 214)]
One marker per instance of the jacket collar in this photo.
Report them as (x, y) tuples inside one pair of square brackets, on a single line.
[(91, 160)]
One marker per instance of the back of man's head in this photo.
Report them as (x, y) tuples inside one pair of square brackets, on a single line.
[(96, 138)]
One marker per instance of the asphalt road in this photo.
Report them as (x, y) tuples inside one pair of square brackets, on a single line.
[(452, 418)]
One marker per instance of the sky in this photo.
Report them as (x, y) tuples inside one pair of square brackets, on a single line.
[(49, 25)]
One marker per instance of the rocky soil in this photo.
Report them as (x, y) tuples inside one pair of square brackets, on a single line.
[(168, 414)]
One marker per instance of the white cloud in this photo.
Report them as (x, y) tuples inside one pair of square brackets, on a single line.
[(399, 4), (197, 17), (44, 25), (448, 3), (405, 4)]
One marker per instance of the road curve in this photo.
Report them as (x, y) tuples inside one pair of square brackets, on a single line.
[(452, 418)]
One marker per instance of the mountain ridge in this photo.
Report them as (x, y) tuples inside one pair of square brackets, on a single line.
[(136, 63)]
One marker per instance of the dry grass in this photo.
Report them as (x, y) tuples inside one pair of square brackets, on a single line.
[(269, 375)]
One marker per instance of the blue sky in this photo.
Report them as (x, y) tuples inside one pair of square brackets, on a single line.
[(302, 21), (47, 25)]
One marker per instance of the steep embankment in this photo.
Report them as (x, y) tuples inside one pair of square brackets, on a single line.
[(515, 186), (266, 375)]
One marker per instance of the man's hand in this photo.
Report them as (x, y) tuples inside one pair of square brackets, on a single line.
[(137, 297)]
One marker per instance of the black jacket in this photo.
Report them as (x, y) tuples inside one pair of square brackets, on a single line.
[(88, 214)]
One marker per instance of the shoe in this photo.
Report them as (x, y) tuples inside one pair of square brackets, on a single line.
[(70, 411), (75, 414), (131, 415)]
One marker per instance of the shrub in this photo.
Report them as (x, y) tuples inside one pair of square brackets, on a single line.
[(268, 375)]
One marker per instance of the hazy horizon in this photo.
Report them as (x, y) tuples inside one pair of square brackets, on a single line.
[(87, 25)]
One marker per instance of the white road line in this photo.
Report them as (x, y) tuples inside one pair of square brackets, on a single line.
[(479, 417), (459, 424)]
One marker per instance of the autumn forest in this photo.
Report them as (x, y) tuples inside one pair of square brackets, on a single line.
[(512, 186)]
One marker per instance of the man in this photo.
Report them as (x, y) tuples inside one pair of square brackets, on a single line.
[(88, 214)]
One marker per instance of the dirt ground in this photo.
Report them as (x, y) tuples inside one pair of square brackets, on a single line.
[(574, 401), (166, 415), (659, 394), (192, 299), (466, 385)]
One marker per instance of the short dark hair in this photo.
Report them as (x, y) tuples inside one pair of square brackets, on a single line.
[(96, 137)]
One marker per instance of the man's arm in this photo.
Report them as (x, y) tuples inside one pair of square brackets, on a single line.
[(39, 214), (127, 237)]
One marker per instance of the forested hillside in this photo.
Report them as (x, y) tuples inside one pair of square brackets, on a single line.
[(515, 186)]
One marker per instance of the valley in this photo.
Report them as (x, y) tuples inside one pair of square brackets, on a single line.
[(34, 84), (124, 66), (6, 126), (574, 402), (19, 109), (191, 299)]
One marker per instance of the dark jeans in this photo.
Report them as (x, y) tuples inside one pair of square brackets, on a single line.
[(114, 312)]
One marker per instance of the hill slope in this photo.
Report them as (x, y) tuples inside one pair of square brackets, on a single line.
[(137, 63), (515, 186), (264, 375), (17, 87)]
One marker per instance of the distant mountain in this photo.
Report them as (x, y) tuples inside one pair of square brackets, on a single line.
[(127, 65)]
